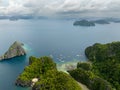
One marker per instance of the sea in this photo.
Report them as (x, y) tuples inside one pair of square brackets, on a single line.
[(58, 39)]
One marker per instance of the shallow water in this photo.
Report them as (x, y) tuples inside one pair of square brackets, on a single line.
[(56, 38)]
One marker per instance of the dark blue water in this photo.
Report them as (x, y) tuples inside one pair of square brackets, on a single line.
[(56, 38)]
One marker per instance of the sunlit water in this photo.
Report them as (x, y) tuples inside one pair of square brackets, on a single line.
[(59, 39)]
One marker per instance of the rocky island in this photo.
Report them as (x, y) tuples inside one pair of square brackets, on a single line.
[(16, 49), (42, 74)]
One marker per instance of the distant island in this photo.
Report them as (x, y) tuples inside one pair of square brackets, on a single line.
[(114, 20), (85, 22), (102, 72), (101, 21), (16, 49), (42, 74), (20, 17)]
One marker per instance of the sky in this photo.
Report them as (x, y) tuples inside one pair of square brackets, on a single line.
[(61, 8)]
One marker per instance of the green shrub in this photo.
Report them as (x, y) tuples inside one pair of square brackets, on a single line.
[(90, 79), (84, 65)]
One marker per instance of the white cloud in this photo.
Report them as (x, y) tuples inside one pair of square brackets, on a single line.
[(62, 7)]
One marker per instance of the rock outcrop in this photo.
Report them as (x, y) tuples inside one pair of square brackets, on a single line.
[(16, 49)]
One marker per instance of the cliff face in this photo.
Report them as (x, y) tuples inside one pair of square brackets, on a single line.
[(15, 50)]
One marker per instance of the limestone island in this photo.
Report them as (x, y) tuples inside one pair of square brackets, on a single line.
[(84, 23), (15, 50), (42, 74)]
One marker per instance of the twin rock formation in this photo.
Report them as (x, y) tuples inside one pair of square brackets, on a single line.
[(15, 50)]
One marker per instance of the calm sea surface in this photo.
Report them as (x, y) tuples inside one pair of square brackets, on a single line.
[(56, 38)]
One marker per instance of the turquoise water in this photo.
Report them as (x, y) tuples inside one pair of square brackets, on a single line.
[(56, 38)]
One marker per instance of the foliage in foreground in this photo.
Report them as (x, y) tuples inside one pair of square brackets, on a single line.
[(87, 77), (49, 78)]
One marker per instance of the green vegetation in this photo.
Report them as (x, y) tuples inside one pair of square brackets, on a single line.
[(84, 65), (84, 23), (48, 77), (102, 52), (102, 72), (87, 77), (106, 62)]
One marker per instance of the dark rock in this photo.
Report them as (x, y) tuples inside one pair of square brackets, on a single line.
[(23, 83)]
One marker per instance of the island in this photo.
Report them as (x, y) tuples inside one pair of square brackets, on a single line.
[(101, 21), (90, 22), (15, 50), (102, 71), (114, 20), (84, 23), (42, 74)]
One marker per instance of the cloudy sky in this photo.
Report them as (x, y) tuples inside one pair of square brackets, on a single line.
[(60, 8)]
